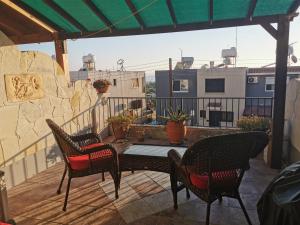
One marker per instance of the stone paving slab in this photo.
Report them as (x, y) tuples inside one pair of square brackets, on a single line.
[(145, 198)]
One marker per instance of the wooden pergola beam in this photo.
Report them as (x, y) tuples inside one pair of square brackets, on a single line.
[(270, 29), (100, 15), (172, 13), (136, 14), (11, 29), (251, 9), (32, 38), (65, 15), (178, 28), (32, 13), (60, 50), (211, 11), (280, 91), (294, 6)]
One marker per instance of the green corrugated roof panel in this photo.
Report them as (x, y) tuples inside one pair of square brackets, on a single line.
[(82, 13), (153, 12), (191, 11), (50, 14), (230, 9), (118, 13), (272, 7)]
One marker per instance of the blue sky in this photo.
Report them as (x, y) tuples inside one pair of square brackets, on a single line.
[(255, 48)]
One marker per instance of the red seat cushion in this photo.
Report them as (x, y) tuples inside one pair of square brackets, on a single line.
[(222, 179), (82, 162)]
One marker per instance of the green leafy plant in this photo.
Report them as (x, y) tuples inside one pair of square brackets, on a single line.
[(101, 83), (176, 115), (121, 118), (254, 123)]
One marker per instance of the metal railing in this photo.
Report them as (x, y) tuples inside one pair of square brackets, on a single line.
[(204, 112)]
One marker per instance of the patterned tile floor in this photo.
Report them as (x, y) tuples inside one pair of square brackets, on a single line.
[(145, 199)]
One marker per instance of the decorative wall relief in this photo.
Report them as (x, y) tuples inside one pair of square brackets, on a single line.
[(23, 87)]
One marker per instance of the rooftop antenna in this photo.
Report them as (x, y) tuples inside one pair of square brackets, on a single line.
[(181, 53), (120, 63)]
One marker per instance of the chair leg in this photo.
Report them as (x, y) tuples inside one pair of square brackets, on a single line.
[(244, 210), (187, 193), (61, 182), (175, 199), (103, 177), (220, 198), (116, 189), (119, 179), (208, 213), (67, 194)]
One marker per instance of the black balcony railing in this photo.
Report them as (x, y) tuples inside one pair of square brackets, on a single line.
[(204, 112)]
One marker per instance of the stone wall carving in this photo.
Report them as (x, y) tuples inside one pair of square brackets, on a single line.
[(23, 87)]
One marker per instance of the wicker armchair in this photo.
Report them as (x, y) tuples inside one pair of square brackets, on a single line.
[(84, 155), (214, 167)]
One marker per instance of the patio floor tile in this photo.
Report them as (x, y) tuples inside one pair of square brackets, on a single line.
[(145, 198)]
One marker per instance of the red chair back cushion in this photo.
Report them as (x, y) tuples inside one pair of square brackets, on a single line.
[(82, 162), (220, 180)]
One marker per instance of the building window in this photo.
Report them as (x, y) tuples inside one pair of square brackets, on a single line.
[(270, 84), (114, 82), (203, 113), (181, 86), (226, 116), (215, 85), (135, 82)]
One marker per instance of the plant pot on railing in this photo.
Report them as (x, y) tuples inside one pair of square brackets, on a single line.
[(176, 128), (176, 131), (101, 85)]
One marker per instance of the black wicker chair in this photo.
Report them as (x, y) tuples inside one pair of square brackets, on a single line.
[(214, 167), (84, 155)]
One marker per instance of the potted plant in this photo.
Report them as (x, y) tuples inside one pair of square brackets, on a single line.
[(176, 127), (255, 123), (120, 125), (101, 85)]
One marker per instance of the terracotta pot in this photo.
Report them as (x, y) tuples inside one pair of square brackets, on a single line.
[(176, 131), (118, 130), (102, 89)]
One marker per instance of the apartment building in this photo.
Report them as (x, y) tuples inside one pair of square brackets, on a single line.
[(126, 90)]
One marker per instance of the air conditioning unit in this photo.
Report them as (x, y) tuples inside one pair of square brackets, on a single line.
[(252, 80)]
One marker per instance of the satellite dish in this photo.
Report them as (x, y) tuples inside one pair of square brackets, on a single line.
[(294, 59)]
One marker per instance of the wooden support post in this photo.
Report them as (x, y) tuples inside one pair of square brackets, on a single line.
[(61, 55), (170, 78), (280, 91), (60, 49)]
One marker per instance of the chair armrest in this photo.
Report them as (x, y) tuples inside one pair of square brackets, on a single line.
[(100, 148), (84, 137)]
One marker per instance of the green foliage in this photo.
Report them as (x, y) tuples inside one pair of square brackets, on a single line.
[(176, 115), (254, 123), (121, 118), (101, 83)]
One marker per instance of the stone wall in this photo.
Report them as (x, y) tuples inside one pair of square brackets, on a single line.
[(292, 116), (26, 147)]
